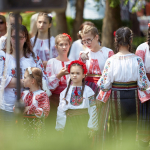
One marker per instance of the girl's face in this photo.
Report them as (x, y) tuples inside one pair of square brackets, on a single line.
[(89, 40), (43, 24), (76, 75), (22, 39), (27, 80), (63, 47)]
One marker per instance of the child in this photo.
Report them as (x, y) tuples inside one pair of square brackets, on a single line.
[(36, 101), (57, 67), (95, 57), (76, 102), (43, 44)]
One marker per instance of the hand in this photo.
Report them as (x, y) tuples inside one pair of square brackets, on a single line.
[(44, 64), (63, 71), (84, 56), (26, 109), (98, 103)]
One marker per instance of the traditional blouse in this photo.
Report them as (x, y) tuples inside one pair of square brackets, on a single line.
[(52, 69), (96, 62), (38, 102), (124, 68), (144, 52), (75, 50), (10, 94), (41, 48), (76, 102), (2, 42)]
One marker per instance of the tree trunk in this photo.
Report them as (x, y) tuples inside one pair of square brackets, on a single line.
[(79, 17), (111, 22), (61, 22)]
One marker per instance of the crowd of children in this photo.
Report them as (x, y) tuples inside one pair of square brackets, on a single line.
[(91, 89)]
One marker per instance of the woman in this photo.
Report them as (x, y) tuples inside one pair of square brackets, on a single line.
[(27, 59), (125, 79)]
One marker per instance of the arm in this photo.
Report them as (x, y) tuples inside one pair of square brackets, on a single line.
[(61, 113), (43, 106), (140, 51)]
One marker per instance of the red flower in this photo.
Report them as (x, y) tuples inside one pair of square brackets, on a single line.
[(114, 33), (13, 71), (68, 36), (80, 63), (76, 92), (148, 24)]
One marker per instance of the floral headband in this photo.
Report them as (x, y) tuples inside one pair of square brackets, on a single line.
[(80, 63), (148, 24), (70, 39)]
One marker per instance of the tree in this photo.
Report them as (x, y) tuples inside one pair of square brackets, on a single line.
[(78, 18), (111, 22)]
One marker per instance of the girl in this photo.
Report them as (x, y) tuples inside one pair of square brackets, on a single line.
[(10, 21), (76, 101), (76, 45), (143, 50), (27, 59), (43, 44), (125, 78), (36, 102), (95, 56), (57, 67)]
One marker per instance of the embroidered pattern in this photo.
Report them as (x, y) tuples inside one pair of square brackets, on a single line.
[(92, 101), (76, 100), (142, 74)]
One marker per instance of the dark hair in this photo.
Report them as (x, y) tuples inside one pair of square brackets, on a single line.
[(83, 83), (3, 18), (148, 37), (37, 75), (90, 29), (123, 36), (82, 25), (11, 14), (27, 49), (50, 20)]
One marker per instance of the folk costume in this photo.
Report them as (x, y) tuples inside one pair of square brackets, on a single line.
[(33, 120), (41, 48), (125, 79), (144, 119), (3, 42)]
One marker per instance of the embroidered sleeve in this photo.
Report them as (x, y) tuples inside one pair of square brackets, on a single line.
[(141, 54), (93, 120), (43, 106), (110, 53), (61, 113), (143, 82), (53, 81), (105, 81)]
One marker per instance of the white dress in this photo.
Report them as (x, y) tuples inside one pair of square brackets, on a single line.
[(96, 62), (2, 42), (10, 94), (144, 52), (41, 48), (87, 102), (75, 50), (52, 69), (124, 68)]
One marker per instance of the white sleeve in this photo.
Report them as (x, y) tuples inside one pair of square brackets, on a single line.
[(53, 81), (93, 119), (61, 113), (72, 54)]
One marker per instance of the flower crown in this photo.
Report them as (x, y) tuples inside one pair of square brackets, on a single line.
[(70, 39), (80, 63), (148, 24)]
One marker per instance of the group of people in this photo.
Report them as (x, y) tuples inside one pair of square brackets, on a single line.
[(92, 87)]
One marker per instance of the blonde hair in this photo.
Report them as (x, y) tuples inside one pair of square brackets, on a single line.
[(60, 37)]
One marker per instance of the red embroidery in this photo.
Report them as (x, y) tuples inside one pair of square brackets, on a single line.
[(141, 54), (110, 53), (13, 71), (94, 67)]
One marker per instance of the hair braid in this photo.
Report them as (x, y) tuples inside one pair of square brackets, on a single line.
[(67, 91)]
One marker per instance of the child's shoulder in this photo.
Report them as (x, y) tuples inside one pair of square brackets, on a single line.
[(88, 89)]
